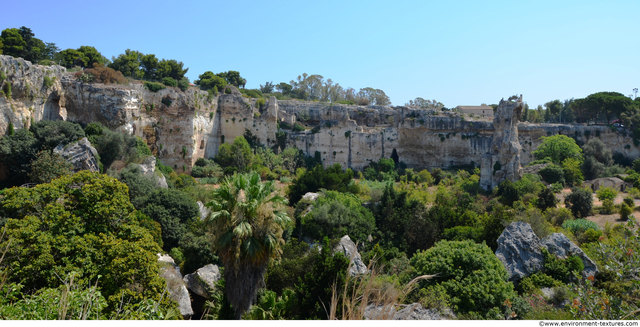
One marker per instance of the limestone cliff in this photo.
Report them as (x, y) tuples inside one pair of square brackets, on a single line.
[(181, 127)]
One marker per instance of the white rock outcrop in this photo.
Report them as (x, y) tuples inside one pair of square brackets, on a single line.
[(176, 287), (203, 281), (348, 248), (82, 155)]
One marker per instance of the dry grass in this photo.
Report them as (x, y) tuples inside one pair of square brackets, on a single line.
[(365, 292)]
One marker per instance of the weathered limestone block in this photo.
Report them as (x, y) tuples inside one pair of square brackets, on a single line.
[(203, 281), (82, 155), (519, 250), (204, 211), (177, 290), (506, 148), (559, 245), (148, 169), (413, 311), (348, 248)]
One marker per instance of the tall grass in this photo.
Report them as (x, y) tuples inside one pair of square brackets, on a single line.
[(354, 300)]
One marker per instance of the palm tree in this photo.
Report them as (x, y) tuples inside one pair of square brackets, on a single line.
[(247, 227)]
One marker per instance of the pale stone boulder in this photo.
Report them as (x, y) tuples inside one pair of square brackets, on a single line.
[(348, 248), (148, 169), (203, 281), (519, 251), (177, 290), (82, 155), (413, 311)]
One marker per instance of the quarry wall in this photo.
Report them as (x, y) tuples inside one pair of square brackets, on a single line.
[(181, 127)]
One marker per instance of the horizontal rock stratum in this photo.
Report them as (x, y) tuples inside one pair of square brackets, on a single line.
[(181, 127)]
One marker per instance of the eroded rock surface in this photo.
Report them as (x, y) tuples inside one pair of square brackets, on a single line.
[(348, 248), (203, 281), (519, 250), (177, 290), (559, 245), (148, 169), (413, 311), (82, 155)]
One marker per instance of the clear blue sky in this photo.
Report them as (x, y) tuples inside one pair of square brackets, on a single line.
[(457, 52)]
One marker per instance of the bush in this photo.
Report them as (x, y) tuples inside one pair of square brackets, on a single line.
[(183, 84), (48, 166), (589, 236), (625, 212), (106, 75), (580, 202), (552, 174), (547, 199), (298, 127), (557, 216), (532, 284), (579, 225), (169, 81), (332, 179), (153, 86), (47, 83), (473, 277), (561, 269), (167, 101)]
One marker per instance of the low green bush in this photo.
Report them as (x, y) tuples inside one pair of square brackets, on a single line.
[(579, 225), (153, 86), (169, 81)]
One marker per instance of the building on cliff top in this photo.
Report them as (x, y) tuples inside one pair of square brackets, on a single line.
[(485, 111)]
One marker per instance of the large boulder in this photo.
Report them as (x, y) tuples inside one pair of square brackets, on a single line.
[(148, 168), (177, 290), (559, 245), (203, 281), (348, 248), (82, 155), (413, 311), (519, 250)]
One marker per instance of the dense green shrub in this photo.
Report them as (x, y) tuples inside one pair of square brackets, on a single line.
[(48, 166), (533, 283), (169, 81), (139, 185), (312, 180), (237, 155), (580, 202), (561, 269), (298, 127), (461, 233), (51, 133), (552, 174), (473, 277), (508, 193), (183, 84), (153, 86), (547, 199), (47, 82), (577, 226), (558, 148), (337, 214)]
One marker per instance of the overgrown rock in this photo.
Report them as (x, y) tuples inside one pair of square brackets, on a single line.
[(519, 250), (562, 247), (82, 155), (204, 211), (148, 168), (348, 248), (203, 281), (177, 290)]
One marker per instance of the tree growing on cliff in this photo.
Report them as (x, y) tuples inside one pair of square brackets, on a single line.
[(13, 42), (558, 148), (209, 80), (232, 77), (247, 226)]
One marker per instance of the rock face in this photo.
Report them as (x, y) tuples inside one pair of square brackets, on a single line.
[(177, 290), (413, 311), (504, 160), (519, 251), (82, 155), (148, 169), (203, 280), (204, 211), (182, 126), (562, 247), (348, 248)]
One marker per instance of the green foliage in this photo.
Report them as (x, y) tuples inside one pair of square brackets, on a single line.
[(183, 84), (10, 130), (206, 168), (237, 155), (16, 152), (298, 127), (81, 223), (232, 77), (558, 148), (532, 284), (547, 199), (579, 201), (312, 180), (508, 193), (337, 214), (112, 145), (48, 166), (272, 307), (51, 133), (473, 277), (552, 174), (606, 193), (208, 81), (142, 147), (561, 269), (572, 173), (173, 210), (7, 90), (577, 226), (315, 288), (48, 82), (153, 86), (296, 260), (625, 212), (169, 81)]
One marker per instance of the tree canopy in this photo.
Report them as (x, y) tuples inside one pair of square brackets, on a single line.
[(558, 148)]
